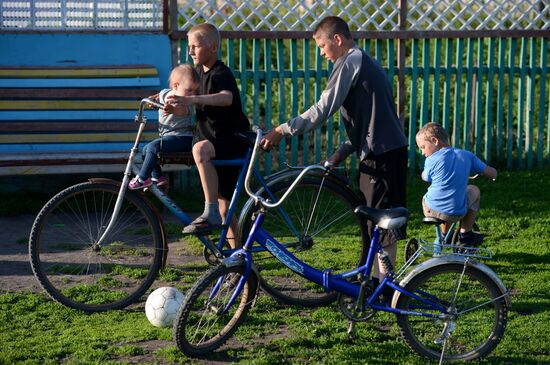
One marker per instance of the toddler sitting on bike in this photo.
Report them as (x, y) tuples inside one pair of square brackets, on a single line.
[(176, 130), (449, 197)]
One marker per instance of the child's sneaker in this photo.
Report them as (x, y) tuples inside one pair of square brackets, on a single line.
[(470, 238), (136, 184)]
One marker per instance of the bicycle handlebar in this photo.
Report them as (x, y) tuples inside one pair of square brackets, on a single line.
[(156, 104), (259, 199)]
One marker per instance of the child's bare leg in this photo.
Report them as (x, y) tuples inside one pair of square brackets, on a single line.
[(203, 153), (232, 229), (467, 221), (473, 197), (467, 236), (445, 228)]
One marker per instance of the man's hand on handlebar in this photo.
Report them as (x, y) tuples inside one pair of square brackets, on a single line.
[(271, 139)]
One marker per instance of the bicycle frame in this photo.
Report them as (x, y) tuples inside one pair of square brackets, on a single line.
[(329, 282), (172, 206)]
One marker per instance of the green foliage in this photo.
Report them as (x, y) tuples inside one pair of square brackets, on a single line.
[(515, 217)]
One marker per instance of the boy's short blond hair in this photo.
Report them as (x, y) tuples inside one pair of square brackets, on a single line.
[(433, 130), (182, 71), (207, 32)]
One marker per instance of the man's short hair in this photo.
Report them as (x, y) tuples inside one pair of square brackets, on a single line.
[(207, 32), (433, 130), (332, 25)]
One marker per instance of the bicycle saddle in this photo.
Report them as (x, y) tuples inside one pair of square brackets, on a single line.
[(432, 220), (384, 218)]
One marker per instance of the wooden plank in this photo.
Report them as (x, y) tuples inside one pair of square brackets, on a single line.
[(68, 147), (531, 86), (436, 81), (112, 125), (92, 72), (243, 51), (58, 169), (520, 142), (68, 104), (469, 101), (489, 102), (282, 98), (76, 67), (458, 93), (425, 103), (74, 115), (478, 122), (268, 157), (90, 93), (294, 99), (446, 122), (256, 82), (72, 137), (510, 119), (81, 82), (413, 106), (542, 96), (306, 98), (502, 44), (379, 34)]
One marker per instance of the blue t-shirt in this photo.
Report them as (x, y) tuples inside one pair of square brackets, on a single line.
[(448, 170)]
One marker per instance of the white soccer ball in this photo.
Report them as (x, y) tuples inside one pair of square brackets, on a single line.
[(162, 306)]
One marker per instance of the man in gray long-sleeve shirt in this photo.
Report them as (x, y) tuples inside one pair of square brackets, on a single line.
[(359, 87)]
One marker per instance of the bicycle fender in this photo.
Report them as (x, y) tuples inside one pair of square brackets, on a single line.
[(239, 261), (437, 261)]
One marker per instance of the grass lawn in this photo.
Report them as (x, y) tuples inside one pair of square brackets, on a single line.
[(515, 217)]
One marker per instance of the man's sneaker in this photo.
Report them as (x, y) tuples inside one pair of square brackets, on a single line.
[(135, 184), (470, 238)]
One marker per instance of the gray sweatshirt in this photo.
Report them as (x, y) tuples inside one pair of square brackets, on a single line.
[(359, 86), (171, 124)]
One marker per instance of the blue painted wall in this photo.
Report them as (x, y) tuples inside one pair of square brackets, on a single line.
[(84, 49)]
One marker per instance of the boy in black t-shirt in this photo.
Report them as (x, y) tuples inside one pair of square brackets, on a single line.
[(219, 116)]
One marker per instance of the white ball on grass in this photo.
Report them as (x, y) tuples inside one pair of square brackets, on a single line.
[(162, 305)]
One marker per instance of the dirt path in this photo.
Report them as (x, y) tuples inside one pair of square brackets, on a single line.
[(15, 269)]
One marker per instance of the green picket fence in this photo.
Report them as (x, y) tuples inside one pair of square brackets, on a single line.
[(491, 94)]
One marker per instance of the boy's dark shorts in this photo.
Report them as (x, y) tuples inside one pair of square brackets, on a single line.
[(227, 148)]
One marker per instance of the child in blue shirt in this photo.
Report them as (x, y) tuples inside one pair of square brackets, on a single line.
[(449, 197)]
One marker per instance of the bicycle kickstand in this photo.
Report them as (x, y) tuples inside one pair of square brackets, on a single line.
[(351, 329)]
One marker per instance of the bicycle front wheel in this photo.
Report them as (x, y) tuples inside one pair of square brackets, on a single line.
[(203, 322), (478, 313), (317, 225), (77, 273)]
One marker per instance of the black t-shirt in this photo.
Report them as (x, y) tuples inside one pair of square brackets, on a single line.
[(215, 122)]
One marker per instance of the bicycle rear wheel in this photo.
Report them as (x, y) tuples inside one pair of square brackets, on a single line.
[(81, 276), (318, 226), (474, 300), (202, 325)]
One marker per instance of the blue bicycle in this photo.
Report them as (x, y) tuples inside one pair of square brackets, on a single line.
[(97, 245), (448, 308)]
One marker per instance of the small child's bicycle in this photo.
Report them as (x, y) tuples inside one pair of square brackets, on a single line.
[(97, 245), (445, 243), (448, 308)]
